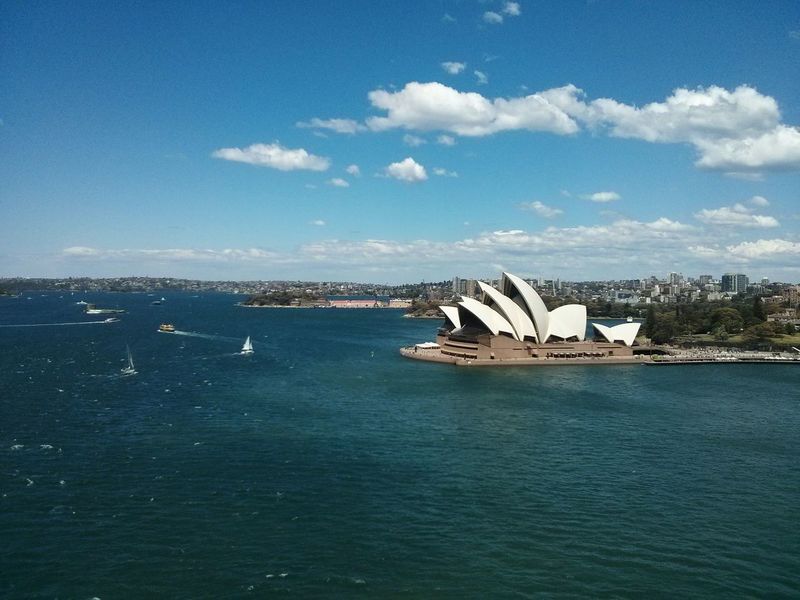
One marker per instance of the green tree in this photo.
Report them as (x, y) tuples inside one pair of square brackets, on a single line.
[(720, 333), (729, 318), (760, 332), (666, 329), (650, 321), (758, 309)]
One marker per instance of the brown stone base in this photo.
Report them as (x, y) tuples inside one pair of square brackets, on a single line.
[(436, 355)]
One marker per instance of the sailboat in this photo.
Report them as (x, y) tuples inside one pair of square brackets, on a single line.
[(129, 369), (248, 347)]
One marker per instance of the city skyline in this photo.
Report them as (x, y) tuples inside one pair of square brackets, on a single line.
[(393, 143)]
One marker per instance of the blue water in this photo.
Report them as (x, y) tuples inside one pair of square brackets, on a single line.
[(326, 465)]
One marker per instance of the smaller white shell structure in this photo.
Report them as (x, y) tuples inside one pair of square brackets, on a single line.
[(625, 332)]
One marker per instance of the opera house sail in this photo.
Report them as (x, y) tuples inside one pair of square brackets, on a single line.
[(512, 325)]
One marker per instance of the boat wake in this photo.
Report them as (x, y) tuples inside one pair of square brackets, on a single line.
[(104, 322), (205, 336)]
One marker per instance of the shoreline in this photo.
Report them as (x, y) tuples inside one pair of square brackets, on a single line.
[(681, 358), (319, 307)]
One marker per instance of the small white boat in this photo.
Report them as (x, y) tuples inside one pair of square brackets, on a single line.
[(248, 347), (129, 369), (629, 319)]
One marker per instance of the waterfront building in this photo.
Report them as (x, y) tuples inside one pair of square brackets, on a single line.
[(512, 322)]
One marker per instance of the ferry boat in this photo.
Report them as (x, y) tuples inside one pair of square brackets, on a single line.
[(166, 328)]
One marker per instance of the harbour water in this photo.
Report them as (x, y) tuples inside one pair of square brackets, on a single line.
[(326, 465)]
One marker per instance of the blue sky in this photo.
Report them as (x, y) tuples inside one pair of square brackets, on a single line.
[(400, 141)]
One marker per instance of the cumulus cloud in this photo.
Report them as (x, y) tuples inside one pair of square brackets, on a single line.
[(444, 172), (348, 126), (446, 140), (481, 77), (492, 17), (407, 170), (737, 215), (454, 68), (274, 156), (602, 197), (413, 140), (512, 9), (338, 182), (736, 131), (759, 201), (431, 106), (762, 249), (548, 212), (354, 170), (318, 222)]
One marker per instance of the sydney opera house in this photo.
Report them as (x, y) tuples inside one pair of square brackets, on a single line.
[(512, 324)]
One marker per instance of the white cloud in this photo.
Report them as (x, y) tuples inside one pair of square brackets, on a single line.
[(446, 140), (444, 172), (431, 106), (735, 131), (274, 156), (454, 68), (339, 182), (778, 149), (630, 248), (512, 9), (317, 222), (759, 201), (738, 132), (765, 249), (447, 18), (548, 212), (353, 170), (492, 17), (407, 170), (80, 251), (348, 126), (602, 196), (171, 254), (413, 140), (481, 77), (737, 215)]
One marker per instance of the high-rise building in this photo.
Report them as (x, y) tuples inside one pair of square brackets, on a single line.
[(741, 282), (734, 282)]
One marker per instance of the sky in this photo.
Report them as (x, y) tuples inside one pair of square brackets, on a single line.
[(392, 142)]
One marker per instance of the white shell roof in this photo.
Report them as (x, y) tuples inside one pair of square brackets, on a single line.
[(519, 319), (536, 307), (451, 314), (493, 320), (626, 332), (567, 321)]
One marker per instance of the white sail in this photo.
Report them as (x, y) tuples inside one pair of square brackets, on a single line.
[(129, 369), (248, 346)]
